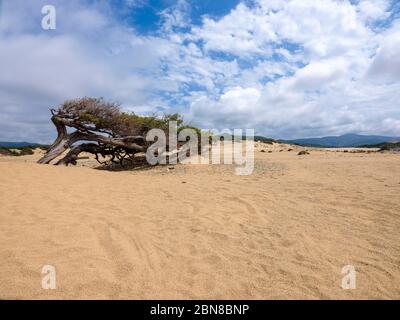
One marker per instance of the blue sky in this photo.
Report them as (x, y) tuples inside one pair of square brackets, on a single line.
[(145, 16), (288, 69)]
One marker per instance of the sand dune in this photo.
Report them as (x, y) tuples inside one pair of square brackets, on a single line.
[(201, 232)]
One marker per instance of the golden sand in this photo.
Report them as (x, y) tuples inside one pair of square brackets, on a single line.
[(201, 232)]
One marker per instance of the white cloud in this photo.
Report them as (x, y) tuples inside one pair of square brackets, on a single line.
[(90, 54), (287, 68), (242, 32), (320, 74), (336, 88), (386, 64), (373, 10)]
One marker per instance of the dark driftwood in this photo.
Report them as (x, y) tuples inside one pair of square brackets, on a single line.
[(100, 128), (118, 148)]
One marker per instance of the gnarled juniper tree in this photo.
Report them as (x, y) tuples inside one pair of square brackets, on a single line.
[(105, 130)]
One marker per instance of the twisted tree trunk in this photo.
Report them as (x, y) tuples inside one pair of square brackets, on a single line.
[(73, 154), (65, 141), (61, 143), (105, 131)]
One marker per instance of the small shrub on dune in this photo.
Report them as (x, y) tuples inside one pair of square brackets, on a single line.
[(303, 152), (26, 151), (5, 152), (17, 151)]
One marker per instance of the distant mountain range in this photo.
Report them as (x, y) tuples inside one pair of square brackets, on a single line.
[(8, 144), (346, 140)]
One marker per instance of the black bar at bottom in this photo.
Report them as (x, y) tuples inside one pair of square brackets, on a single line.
[(198, 309)]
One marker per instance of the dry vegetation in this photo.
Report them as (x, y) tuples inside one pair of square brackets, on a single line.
[(113, 135)]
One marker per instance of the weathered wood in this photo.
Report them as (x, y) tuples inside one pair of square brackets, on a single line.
[(108, 143), (110, 132)]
